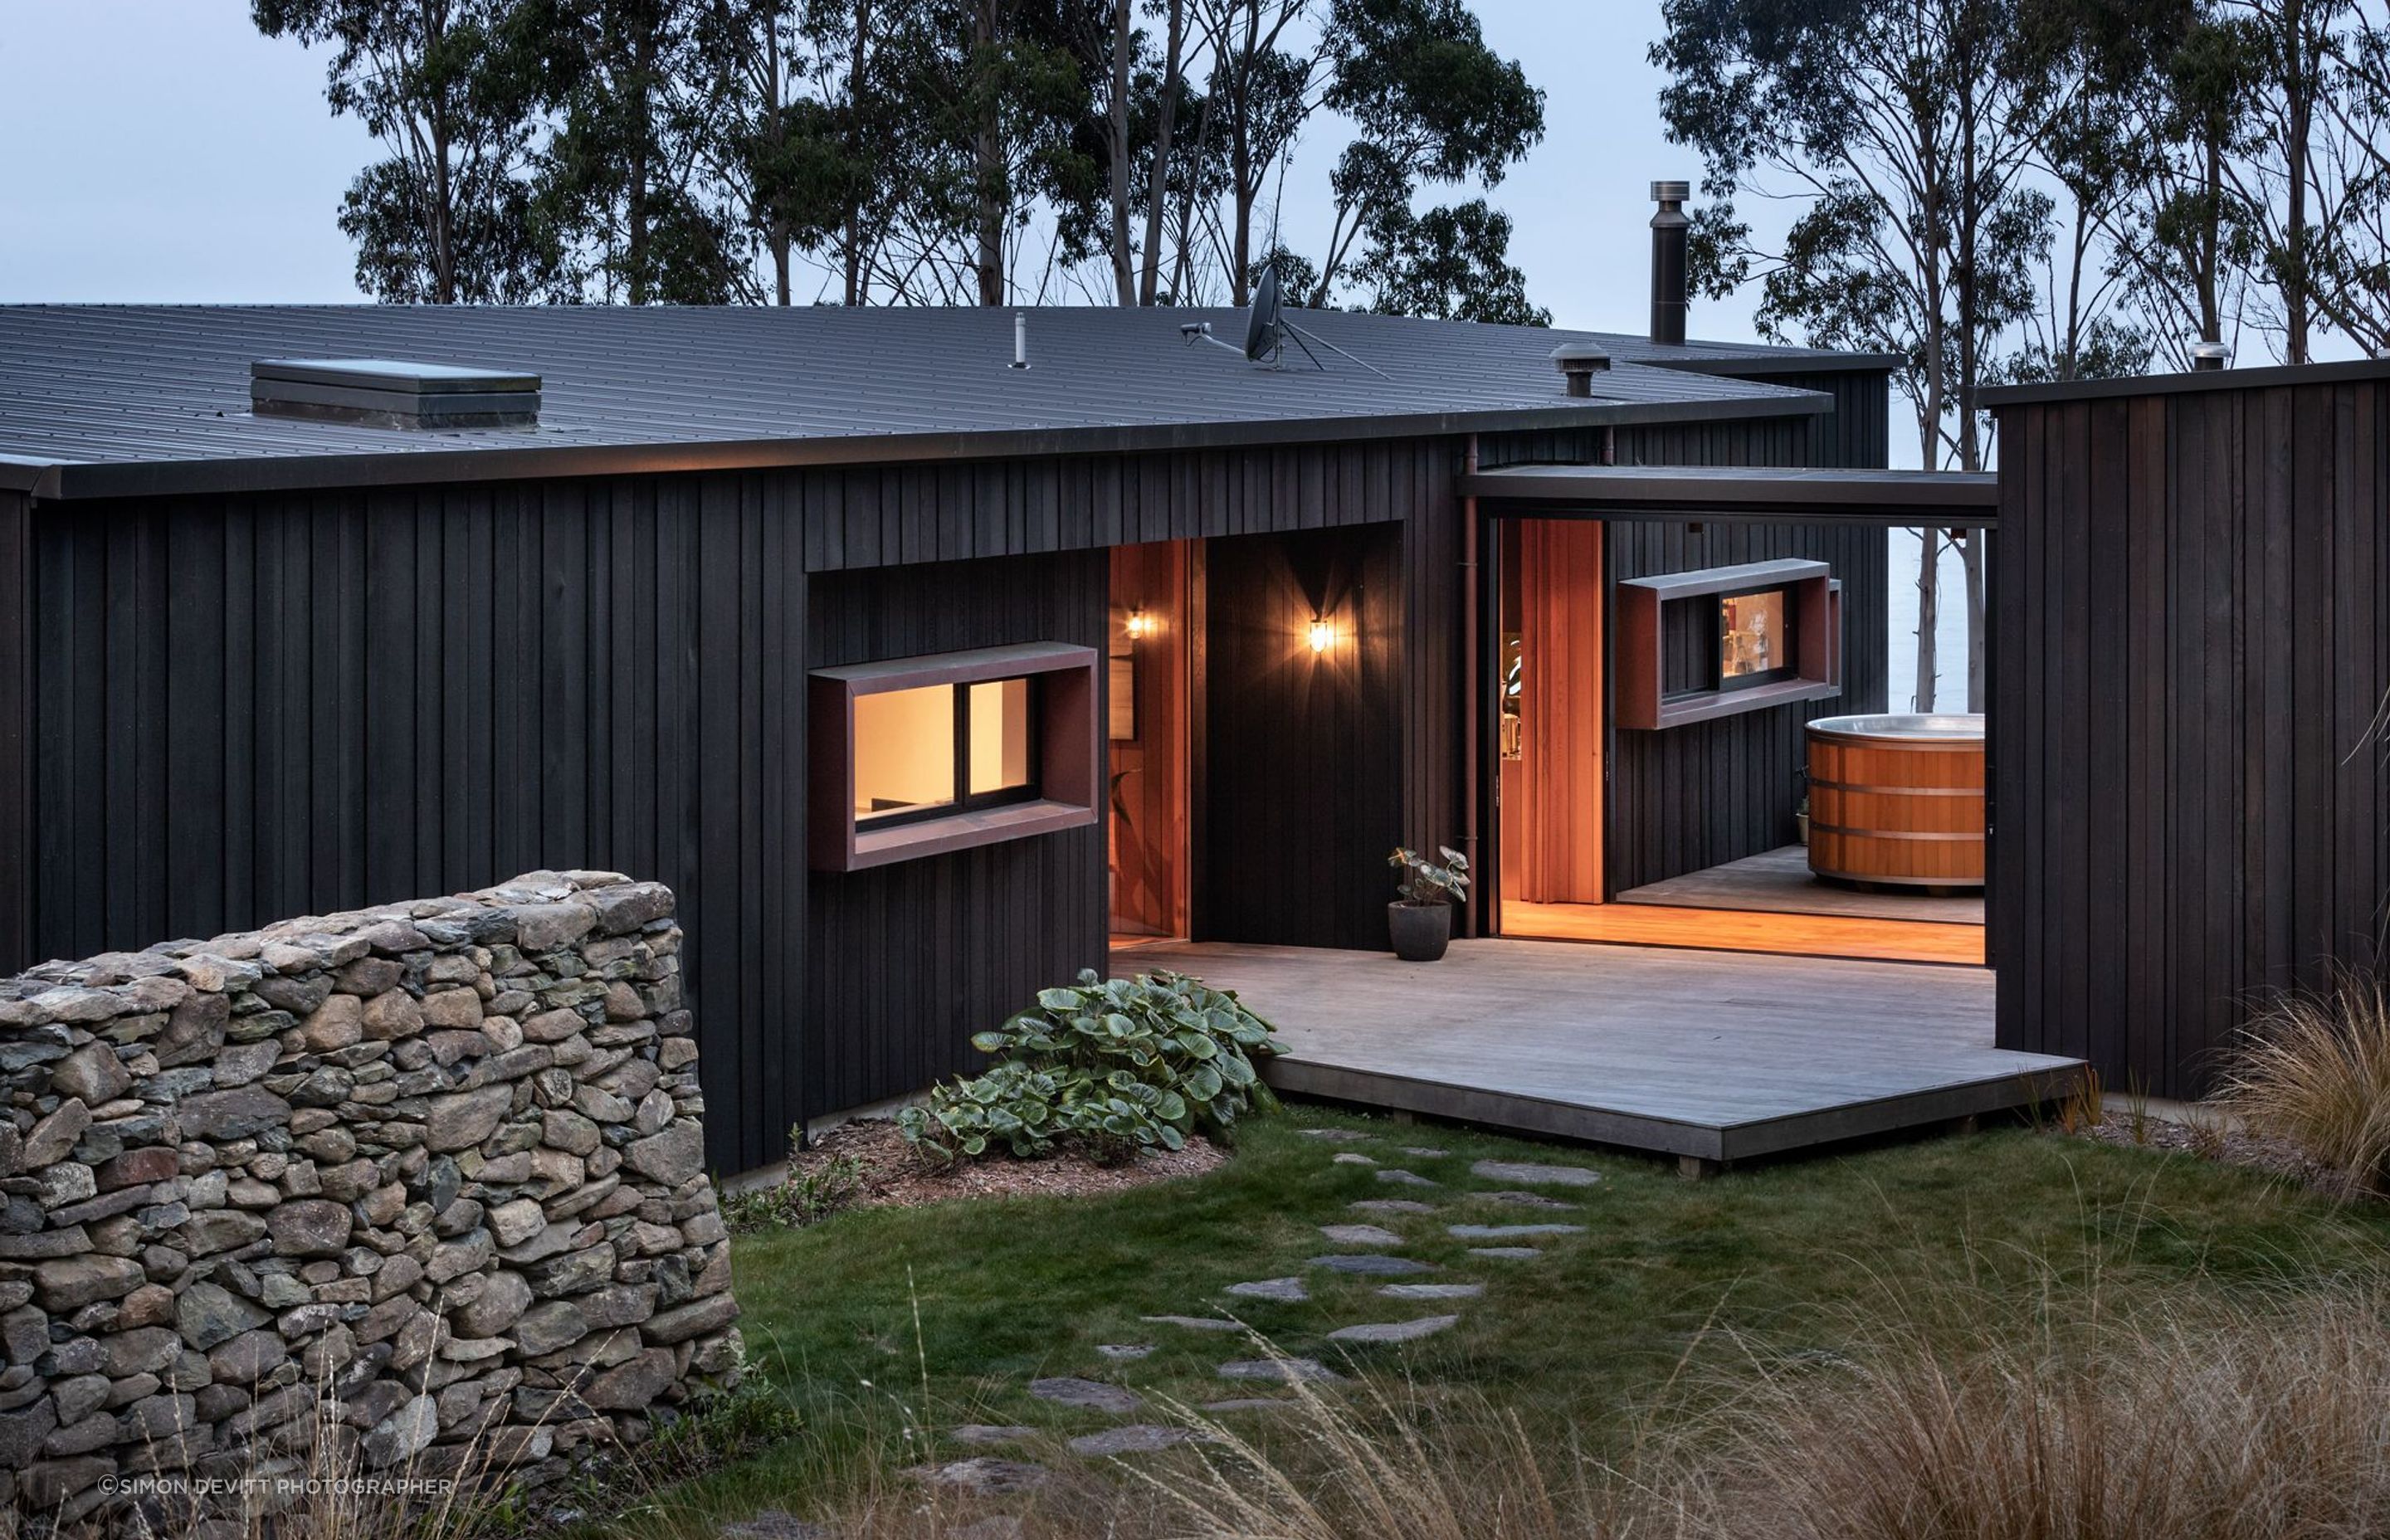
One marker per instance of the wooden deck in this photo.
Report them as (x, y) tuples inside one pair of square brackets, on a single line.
[(1710, 1056), (1843, 936), (1779, 881)]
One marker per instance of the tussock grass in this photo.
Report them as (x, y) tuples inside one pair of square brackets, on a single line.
[(2314, 1068)]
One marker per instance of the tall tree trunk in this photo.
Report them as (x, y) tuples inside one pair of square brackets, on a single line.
[(635, 209), (1165, 122), (859, 59), (2299, 126), (776, 234), (1124, 259), (989, 153), (1971, 556)]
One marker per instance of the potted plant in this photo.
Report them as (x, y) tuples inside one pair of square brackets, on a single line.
[(1421, 917)]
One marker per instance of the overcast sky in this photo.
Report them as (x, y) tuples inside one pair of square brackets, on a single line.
[(162, 151)]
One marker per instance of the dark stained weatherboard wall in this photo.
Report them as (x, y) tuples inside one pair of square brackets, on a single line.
[(2192, 639)]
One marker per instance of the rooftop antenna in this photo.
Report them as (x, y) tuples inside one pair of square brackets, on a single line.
[(1267, 332)]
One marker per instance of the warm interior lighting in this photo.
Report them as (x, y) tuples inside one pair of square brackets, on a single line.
[(903, 751), (1000, 736), (1140, 625), (1321, 634)]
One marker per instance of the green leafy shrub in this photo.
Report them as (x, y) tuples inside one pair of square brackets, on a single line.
[(1117, 1065)]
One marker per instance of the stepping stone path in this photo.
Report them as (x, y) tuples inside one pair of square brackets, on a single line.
[(1339, 1134), (1195, 1323), (1515, 1253), (1527, 1200), (1360, 1234), (1533, 1173), (1137, 1438), (1122, 1352), (1391, 1205), (1510, 1232), (984, 1475), (774, 1524), (1384, 1267), (984, 1433), (1285, 1290), (1424, 1150), (1284, 1370), (1066, 1390), (1393, 1331), (1347, 1157), (1248, 1404), (1430, 1290), (1402, 1179)]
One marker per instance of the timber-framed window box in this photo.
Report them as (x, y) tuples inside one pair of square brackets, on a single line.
[(1693, 647), (919, 756)]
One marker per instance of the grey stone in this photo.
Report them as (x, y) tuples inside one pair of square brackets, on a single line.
[(1340, 1135), (1371, 1265), (465, 1118), (1135, 1438), (1094, 1394), (1360, 1234), (1533, 1173), (1390, 1205), (1508, 1253), (125, 1353), (79, 1396), (670, 1157), (309, 1227), (55, 1135), (501, 1303), (1122, 1352), (91, 1073), (1194, 1323), (690, 1320), (546, 1328), (547, 927), (23, 1433), (65, 1284), (1510, 1232), (1396, 1176), (404, 1433), (1281, 1370), (1352, 1158), (983, 1476), (221, 1230), (249, 1358), (1525, 1200), (241, 1113), (1393, 1331), (772, 1523), (1430, 1290), (984, 1433), (634, 1386), (66, 1183), (1425, 1152), (1285, 1290), (1250, 1404)]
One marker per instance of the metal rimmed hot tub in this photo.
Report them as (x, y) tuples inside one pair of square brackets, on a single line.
[(1898, 800)]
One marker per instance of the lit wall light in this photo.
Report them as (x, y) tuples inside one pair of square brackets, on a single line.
[(1140, 625), (1319, 635)]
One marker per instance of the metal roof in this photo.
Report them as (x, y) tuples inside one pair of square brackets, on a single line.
[(2179, 384), (1903, 498), (117, 401)]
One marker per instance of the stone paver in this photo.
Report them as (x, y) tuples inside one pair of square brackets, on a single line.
[(1122, 1352), (1360, 1234), (1137, 1438), (1338, 1135), (1349, 1157), (1424, 1150), (1193, 1323), (775, 1524), (1070, 1391), (1526, 1200), (1285, 1290), (985, 1475), (1510, 1232), (1393, 1331), (1383, 1267), (989, 1432), (1283, 1370), (1534, 1173), (1402, 1179), (1249, 1404), (1514, 1253), (1390, 1205), (1430, 1290)]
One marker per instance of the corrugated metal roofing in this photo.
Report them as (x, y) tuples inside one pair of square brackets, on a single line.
[(100, 401)]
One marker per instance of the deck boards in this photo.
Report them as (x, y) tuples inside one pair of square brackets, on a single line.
[(1709, 1054), (1777, 882), (1840, 936)]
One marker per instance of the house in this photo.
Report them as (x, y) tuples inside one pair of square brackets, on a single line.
[(931, 656)]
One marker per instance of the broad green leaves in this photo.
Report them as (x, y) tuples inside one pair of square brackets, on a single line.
[(1119, 1064)]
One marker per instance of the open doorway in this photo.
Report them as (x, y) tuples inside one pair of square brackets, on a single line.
[(1149, 688)]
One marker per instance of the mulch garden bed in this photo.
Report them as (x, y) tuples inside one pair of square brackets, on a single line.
[(2222, 1141), (872, 1159)]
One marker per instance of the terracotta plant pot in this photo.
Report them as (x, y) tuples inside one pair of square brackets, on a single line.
[(1421, 930)]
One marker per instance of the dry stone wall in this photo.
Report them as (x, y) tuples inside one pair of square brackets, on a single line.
[(424, 1181)]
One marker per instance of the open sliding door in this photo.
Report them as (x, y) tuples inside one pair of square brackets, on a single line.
[(1551, 743)]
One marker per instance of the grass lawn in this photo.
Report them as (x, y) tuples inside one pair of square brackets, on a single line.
[(872, 1318)]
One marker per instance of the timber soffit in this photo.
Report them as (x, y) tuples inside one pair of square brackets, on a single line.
[(113, 401), (1954, 499)]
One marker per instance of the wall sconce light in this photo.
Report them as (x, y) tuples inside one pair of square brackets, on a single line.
[(1319, 635), (1140, 625)]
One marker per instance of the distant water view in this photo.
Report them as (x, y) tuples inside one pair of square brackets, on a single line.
[(1950, 633)]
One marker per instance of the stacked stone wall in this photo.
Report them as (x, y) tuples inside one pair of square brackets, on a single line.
[(416, 1192)]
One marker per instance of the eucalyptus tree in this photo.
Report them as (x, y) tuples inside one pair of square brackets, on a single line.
[(1907, 131), (449, 87), (1451, 262)]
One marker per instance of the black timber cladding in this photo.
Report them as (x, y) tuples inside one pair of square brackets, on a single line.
[(2191, 641)]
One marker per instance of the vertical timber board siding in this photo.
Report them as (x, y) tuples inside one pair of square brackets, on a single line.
[(2190, 657), (16, 846), (1303, 752), (902, 963), (244, 709)]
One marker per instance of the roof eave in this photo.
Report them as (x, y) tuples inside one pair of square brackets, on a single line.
[(78, 481), (2182, 384)]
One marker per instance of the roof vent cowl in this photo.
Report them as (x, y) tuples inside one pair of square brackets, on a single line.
[(2208, 357), (1578, 363), (388, 393)]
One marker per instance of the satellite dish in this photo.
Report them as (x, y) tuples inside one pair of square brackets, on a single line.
[(1264, 334)]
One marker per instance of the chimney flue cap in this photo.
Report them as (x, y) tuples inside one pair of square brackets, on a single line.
[(2207, 356), (1578, 363), (1671, 192)]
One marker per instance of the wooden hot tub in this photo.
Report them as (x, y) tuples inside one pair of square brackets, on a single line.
[(1898, 800)]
